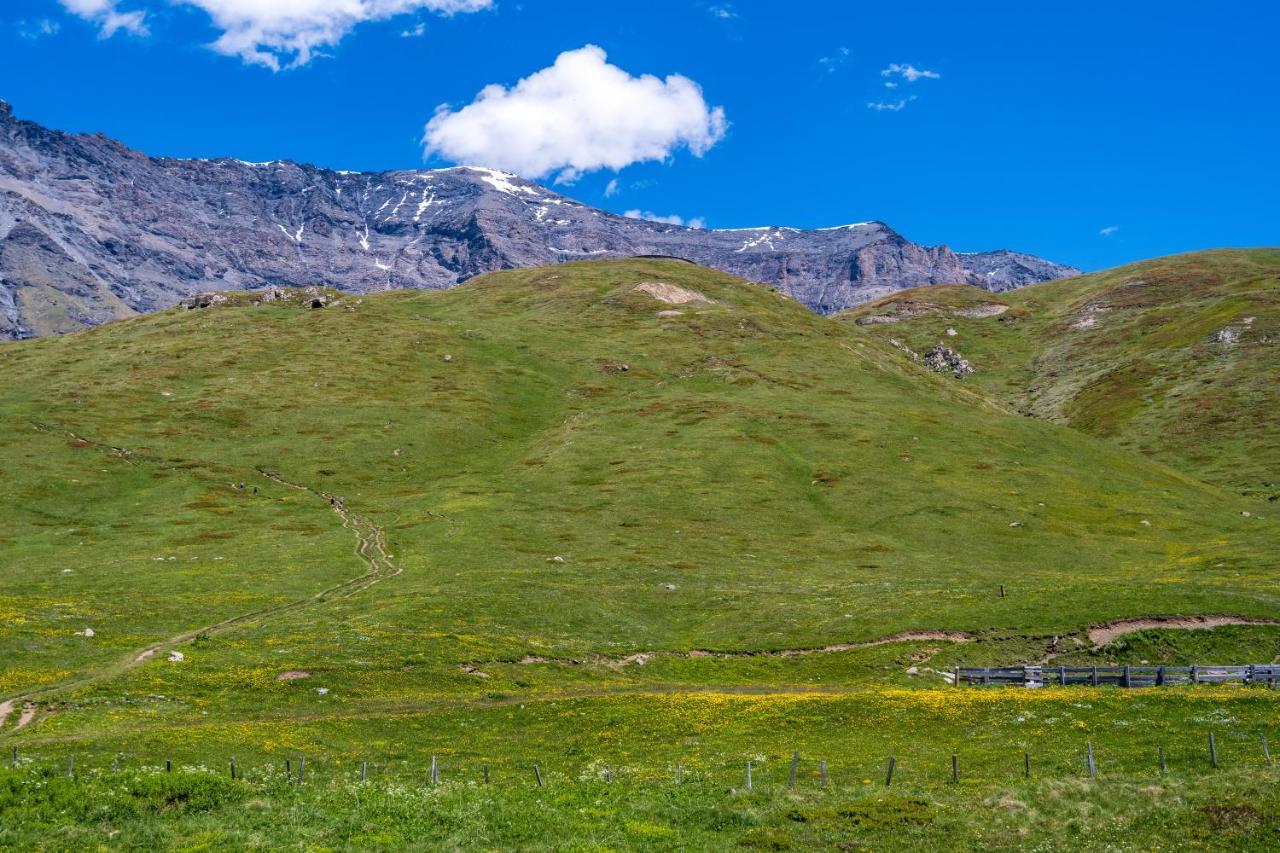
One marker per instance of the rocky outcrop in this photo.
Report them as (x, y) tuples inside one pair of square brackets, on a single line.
[(946, 360), (91, 230)]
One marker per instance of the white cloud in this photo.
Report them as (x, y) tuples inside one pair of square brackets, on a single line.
[(909, 73), (414, 32), (1109, 230), (108, 17), (274, 33), (38, 29), (890, 106), (723, 11), (290, 32), (612, 189), (649, 216), (835, 60), (579, 115)]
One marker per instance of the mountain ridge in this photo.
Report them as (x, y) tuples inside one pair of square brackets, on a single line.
[(91, 230)]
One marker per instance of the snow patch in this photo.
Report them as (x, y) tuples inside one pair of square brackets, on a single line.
[(848, 227)]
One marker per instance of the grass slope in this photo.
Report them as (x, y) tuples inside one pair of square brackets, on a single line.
[(1175, 358), (535, 475)]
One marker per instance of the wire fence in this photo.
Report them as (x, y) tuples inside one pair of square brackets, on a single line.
[(747, 775)]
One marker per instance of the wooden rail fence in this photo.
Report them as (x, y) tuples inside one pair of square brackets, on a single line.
[(1119, 676)]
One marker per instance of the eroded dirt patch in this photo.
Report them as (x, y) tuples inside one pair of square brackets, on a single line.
[(293, 675), (1101, 635), (642, 658), (671, 294)]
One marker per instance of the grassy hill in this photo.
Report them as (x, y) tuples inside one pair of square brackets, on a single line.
[(586, 522), (1175, 358)]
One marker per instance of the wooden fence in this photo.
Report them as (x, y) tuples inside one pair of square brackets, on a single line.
[(1119, 676)]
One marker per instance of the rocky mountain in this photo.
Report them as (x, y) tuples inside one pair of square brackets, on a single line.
[(91, 230)]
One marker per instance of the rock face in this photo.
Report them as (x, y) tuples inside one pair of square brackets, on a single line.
[(91, 231)]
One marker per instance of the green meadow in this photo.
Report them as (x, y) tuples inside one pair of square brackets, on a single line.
[(547, 518)]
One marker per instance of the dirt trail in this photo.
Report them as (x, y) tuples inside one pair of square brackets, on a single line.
[(371, 548), (641, 658), (1101, 635)]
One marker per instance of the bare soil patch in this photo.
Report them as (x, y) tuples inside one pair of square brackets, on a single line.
[(671, 294), (1101, 635)]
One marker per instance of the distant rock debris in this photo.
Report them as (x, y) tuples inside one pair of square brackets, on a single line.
[(293, 675), (944, 359), (992, 310), (304, 297), (1229, 336), (881, 319)]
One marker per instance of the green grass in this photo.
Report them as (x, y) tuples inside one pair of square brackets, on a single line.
[(190, 809), (756, 479), (1147, 374)]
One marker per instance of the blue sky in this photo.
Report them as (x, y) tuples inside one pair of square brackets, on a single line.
[(1089, 133)]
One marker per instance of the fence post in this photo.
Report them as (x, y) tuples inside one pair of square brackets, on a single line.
[(435, 772), (1213, 750), (679, 773), (1128, 680), (15, 756), (1095, 676), (1163, 769), (288, 769), (364, 771), (486, 774), (233, 767), (1266, 753), (168, 766), (1194, 674), (1093, 770), (71, 765), (1062, 676), (824, 772), (748, 775), (1026, 765), (955, 769), (608, 775), (115, 765), (957, 681), (537, 774), (795, 764), (888, 777), (302, 767)]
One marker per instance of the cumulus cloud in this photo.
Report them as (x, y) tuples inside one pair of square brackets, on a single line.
[(579, 115), (107, 15), (723, 11), (909, 73), (649, 216), (611, 189), (1109, 230), (290, 33), (275, 33)]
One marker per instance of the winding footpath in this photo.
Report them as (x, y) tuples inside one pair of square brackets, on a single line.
[(371, 548)]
